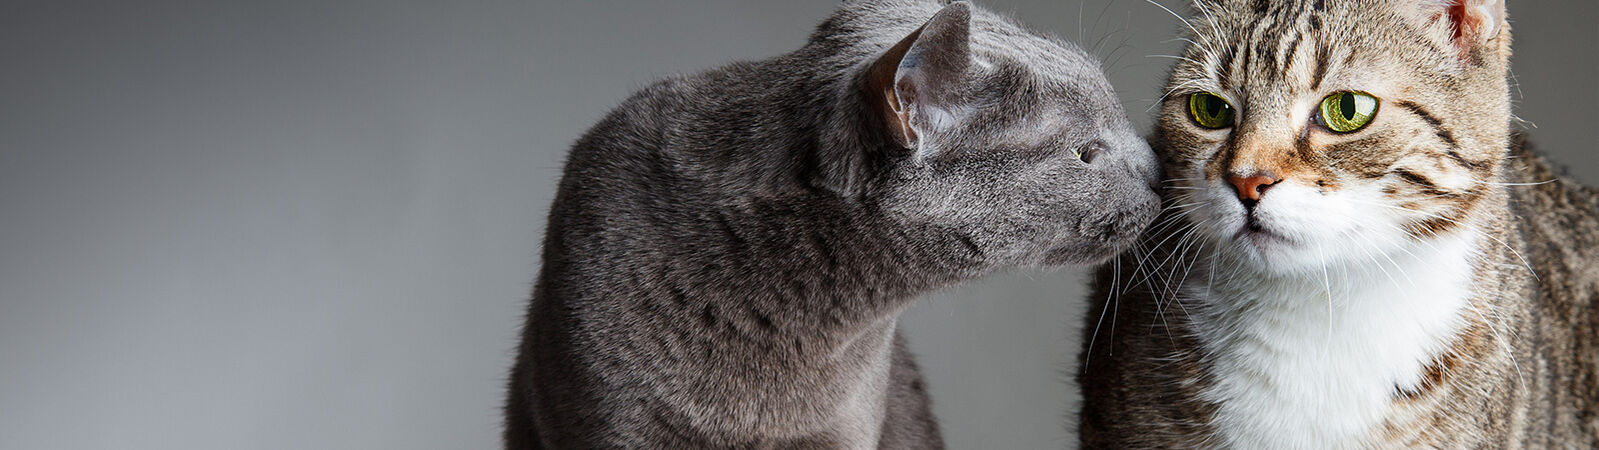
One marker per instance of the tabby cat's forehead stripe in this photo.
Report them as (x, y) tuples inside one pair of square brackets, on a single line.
[(1267, 46), (1322, 56), (1293, 49)]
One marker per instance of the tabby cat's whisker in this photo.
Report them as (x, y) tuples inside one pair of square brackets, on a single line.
[(1189, 232), (1465, 226), (1369, 249), (1327, 284), (1496, 183), (1178, 16), (1184, 279), (1184, 58), (1521, 381), (1171, 91)]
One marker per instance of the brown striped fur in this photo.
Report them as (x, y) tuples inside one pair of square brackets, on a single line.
[(1521, 370)]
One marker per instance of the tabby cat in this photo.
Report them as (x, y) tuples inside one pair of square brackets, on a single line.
[(1357, 250)]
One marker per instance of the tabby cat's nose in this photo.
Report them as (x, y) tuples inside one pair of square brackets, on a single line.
[(1251, 187)]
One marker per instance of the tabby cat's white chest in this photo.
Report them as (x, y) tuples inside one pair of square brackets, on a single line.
[(1314, 360)]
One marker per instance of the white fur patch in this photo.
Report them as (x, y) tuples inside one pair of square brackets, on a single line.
[(1308, 337)]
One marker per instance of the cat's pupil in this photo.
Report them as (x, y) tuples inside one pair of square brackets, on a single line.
[(1213, 107), (1346, 105)]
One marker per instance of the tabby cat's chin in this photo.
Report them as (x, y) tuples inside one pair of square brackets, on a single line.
[(1272, 248), (1261, 236)]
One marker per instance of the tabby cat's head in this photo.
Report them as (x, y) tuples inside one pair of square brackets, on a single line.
[(1298, 133)]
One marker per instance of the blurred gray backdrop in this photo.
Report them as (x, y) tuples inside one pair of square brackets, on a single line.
[(314, 224)]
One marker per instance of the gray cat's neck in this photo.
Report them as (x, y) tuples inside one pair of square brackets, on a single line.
[(810, 260)]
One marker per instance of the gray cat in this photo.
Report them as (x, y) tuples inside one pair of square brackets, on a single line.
[(729, 251)]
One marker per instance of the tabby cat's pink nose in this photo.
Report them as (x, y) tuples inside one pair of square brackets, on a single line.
[(1250, 188)]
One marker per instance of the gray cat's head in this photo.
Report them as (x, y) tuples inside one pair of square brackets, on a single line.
[(1013, 140)]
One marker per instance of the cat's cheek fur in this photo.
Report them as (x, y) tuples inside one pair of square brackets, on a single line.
[(1443, 175)]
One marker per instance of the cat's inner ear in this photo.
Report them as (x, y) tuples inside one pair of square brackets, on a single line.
[(916, 84), (1470, 22)]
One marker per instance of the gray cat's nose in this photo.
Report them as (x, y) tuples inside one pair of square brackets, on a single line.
[(1147, 165), (1127, 153)]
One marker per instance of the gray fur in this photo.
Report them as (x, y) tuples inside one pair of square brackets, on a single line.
[(728, 251)]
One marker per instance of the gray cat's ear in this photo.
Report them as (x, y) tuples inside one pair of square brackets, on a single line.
[(916, 83), (1470, 23)]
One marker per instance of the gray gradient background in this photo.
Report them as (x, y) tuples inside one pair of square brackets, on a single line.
[(313, 224)]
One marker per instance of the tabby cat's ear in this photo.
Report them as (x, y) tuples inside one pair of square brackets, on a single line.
[(915, 84), (1470, 22)]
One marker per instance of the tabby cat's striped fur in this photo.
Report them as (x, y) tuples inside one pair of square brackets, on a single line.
[(1425, 281)]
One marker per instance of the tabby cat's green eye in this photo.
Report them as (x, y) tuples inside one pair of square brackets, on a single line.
[(1210, 111), (1347, 111)]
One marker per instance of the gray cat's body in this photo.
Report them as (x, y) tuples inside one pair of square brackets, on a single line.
[(728, 252)]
